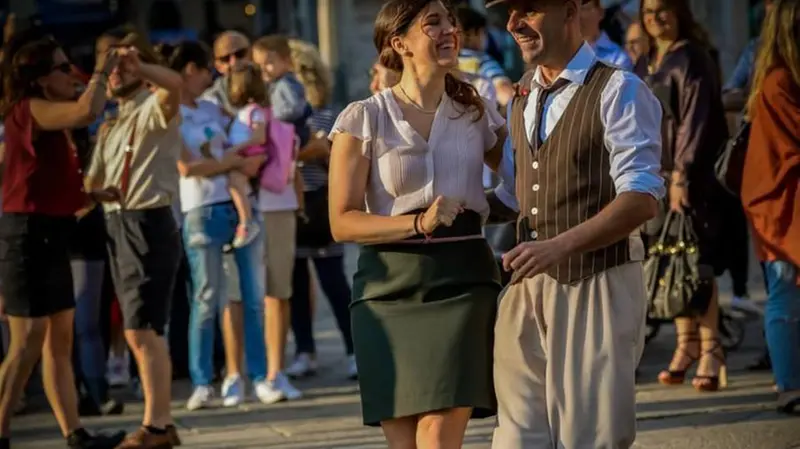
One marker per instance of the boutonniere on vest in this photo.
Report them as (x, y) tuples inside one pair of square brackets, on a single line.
[(520, 90)]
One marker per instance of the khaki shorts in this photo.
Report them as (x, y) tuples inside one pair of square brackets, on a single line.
[(280, 229)]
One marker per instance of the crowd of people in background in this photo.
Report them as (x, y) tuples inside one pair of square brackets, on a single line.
[(140, 243)]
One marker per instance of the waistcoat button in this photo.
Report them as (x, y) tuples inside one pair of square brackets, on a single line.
[(535, 165), (534, 211), (536, 187)]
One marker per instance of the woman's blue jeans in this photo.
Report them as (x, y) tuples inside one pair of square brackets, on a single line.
[(206, 230), (782, 325), (87, 278)]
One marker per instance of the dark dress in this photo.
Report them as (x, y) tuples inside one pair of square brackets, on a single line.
[(688, 84)]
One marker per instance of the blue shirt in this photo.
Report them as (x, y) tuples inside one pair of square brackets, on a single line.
[(740, 78), (609, 52), (630, 114), (288, 101), (488, 67)]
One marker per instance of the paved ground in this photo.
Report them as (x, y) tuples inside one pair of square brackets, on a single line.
[(739, 417)]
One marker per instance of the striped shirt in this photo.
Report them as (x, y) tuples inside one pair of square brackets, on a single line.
[(315, 175), (486, 66)]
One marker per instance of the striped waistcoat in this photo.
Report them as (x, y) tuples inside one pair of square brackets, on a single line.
[(567, 180)]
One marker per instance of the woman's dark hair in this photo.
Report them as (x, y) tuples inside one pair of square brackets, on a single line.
[(188, 52), (24, 65), (688, 27), (394, 19)]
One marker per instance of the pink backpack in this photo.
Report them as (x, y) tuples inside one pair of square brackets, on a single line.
[(279, 149)]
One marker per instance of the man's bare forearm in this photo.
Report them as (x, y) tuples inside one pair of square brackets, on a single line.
[(615, 222)]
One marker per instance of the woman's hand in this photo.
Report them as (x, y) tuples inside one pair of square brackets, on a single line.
[(678, 193), (442, 212)]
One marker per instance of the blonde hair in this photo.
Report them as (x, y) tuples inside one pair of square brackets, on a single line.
[(778, 47), (246, 85), (312, 72)]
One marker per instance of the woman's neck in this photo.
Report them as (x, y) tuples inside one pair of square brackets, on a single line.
[(663, 45), (187, 99), (423, 89)]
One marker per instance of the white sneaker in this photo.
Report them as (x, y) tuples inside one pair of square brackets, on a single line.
[(201, 398), (352, 369), (746, 305), (118, 374), (303, 366), (273, 391), (232, 391), (245, 234)]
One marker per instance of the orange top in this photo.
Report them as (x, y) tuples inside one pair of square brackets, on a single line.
[(771, 180)]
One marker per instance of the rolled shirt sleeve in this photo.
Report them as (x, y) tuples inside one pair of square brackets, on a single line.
[(632, 116)]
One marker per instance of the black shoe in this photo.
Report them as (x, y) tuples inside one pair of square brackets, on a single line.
[(112, 407), (762, 364), (80, 439), (789, 402)]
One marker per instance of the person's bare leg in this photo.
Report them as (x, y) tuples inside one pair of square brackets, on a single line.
[(712, 360), (276, 329), (237, 186), (155, 371), (443, 429), (687, 350), (233, 337), (25, 347), (400, 433), (58, 376)]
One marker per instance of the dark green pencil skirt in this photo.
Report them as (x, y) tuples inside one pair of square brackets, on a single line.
[(423, 323)]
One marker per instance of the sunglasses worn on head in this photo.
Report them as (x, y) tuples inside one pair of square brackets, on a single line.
[(240, 54)]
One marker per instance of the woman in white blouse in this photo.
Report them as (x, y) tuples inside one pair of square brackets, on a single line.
[(405, 182)]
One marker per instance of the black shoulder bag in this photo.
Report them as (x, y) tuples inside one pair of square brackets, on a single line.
[(729, 166), (674, 276)]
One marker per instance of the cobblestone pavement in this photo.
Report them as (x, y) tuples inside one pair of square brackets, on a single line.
[(740, 417)]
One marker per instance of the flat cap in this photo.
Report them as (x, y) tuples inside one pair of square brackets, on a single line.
[(490, 3)]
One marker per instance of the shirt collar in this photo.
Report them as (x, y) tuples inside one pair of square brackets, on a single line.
[(135, 102), (605, 43), (576, 70)]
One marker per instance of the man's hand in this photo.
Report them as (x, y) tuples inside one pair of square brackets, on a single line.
[(107, 195), (531, 258), (129, 60), (252, 165)]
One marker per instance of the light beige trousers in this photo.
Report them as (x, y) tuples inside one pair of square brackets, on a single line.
[(565, 358)]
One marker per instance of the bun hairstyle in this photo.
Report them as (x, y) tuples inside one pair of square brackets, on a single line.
[(394, 19)]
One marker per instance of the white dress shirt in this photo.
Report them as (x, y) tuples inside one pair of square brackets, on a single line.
[(631, 117)]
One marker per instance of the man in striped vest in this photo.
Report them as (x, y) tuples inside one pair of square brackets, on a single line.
[(584, 155)]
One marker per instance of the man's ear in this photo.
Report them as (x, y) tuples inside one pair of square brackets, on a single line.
[(572, 9)]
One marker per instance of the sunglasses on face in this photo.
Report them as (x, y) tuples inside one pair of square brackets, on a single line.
[(240, 54), (64, 67)]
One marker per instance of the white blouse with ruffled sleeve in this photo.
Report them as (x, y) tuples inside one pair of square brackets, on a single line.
[(407, 172)]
